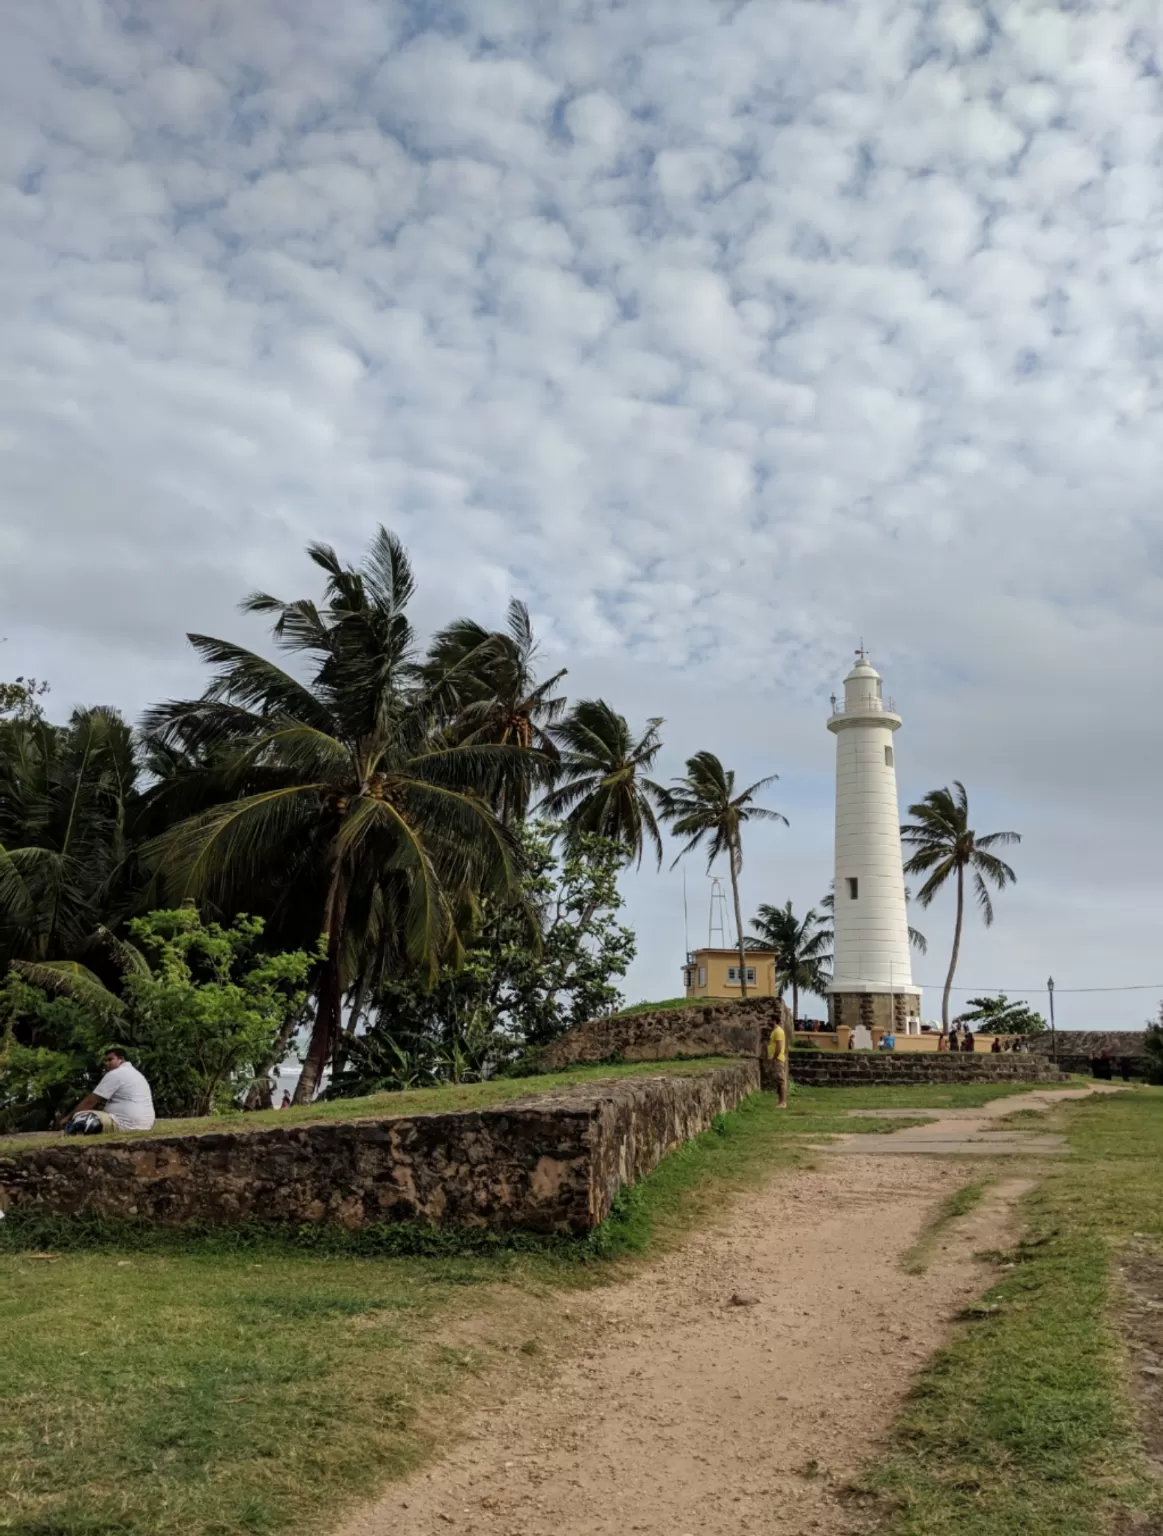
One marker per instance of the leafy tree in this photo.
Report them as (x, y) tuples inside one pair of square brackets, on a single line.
[(21, 698), (197, 1006), (534, 968), (486, 681), (998, 1015), (351, 804), (207, 1006), (946, 846), (704, 807), (582, 950), (803, 948), (49, 1046), (603, 790)]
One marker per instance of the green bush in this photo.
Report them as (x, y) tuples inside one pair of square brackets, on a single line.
[(48, 1049), (198, 1009)]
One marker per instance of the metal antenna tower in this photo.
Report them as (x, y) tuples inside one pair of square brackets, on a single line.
[(717, 919)]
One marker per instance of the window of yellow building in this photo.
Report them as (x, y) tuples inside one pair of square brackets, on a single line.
[(733, 975)]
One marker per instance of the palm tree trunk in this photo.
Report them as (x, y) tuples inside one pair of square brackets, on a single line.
[(347, 1033), (795, 1002), (329, 1012), (956, 947), (738, 924), (326, 1028)]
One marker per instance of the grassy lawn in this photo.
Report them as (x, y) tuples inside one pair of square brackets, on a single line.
[(936, 1096), (668, 1002), (1021, 1426), (418, 1101), (207, 1391)]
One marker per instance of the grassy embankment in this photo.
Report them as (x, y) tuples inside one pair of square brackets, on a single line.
[(666, 1002), (211, 1390), (500, 1090), (1021, 1427)]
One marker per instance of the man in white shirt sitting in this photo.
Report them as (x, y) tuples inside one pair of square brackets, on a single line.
[(121, 1101)]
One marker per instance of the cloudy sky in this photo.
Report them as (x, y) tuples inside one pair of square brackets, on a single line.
[(723, 333)]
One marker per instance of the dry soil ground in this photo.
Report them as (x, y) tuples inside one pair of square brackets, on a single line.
[(740, 1381)]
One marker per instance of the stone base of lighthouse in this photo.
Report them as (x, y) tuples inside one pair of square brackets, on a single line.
[(899, 1012)]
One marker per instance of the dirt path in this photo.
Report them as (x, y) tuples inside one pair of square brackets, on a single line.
[(689, 1412)]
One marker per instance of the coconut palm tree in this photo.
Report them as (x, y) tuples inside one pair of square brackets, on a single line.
[(704, 807), (603, 786), (803, 949), (352, 813), (945, 845), (486, 681), (69, 799)]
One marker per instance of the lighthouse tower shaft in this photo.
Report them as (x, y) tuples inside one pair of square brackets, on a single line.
[(872, 981)]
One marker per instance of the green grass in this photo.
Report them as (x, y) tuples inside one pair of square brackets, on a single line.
[(963, 1200), (669, 1002), (418, 1101), (164, 1395), (237, 1383), (935, 1096), (1021, 1426)]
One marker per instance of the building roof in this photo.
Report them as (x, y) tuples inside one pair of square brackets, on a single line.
[(734, 950)]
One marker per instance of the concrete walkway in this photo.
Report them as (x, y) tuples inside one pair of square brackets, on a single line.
[(968, 1132)]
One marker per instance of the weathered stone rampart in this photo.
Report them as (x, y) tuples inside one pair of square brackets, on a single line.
[(1075, 1049), (552, 1162), (726, 1027), (859, 1069)]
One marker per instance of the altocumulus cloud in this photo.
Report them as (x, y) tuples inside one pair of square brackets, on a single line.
[(720, 332)]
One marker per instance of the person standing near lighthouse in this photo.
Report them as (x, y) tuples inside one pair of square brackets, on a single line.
[(872, 979)]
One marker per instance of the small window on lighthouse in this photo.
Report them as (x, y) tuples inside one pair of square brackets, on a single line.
[(888, 757), (853, 887)]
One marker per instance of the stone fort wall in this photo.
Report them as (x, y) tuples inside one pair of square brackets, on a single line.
[(873, 1069), (730, 1027), (550, 1162)]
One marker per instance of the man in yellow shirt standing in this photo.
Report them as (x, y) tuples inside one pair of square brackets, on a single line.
[(777, 1054)]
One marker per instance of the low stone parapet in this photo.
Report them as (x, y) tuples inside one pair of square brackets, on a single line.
[(722, 1027), (552, 1162), (867, 1069)]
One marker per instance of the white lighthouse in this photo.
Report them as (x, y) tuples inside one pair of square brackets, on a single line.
[(872, 979)]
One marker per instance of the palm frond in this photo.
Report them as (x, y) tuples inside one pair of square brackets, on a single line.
[(240, 833), (67, 978), (981, 891), (944, 867), (992, 839)]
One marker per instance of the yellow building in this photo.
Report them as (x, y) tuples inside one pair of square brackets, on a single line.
[(715, 973)]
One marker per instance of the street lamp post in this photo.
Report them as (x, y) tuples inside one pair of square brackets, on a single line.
[(1053, 1033)]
